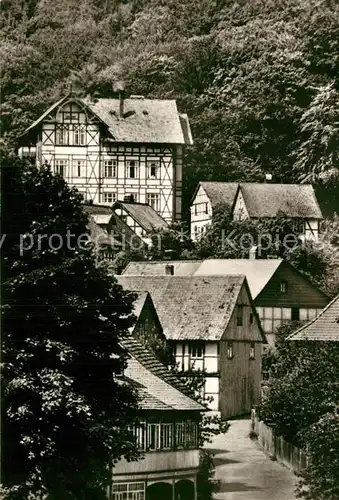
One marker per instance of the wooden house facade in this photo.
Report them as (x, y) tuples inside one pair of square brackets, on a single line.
[(257, 201), (212, 325), (280, 293), (167, 434), (112, 148)]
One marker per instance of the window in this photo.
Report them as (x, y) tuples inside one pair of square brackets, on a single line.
[(197, 350), (195, 209), (79, 135), (132, 169), (251, 318), (295, 314), (206, 208), (60, 167), (110, 197), (153, 200), (141, 436), (252, 350), (153, 169), (110, 168), (79, 168), (62, 135), (230, 350), (159, 436), (283, 286), (165, 436), (128, 491), (240, 315), (186, 435)]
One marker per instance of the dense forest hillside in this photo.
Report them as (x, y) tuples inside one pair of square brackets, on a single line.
[(259, 79)]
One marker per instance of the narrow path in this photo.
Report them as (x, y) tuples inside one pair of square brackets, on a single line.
[(245, 471)]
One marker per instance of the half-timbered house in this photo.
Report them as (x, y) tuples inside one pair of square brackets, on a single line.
[(111, 148), (280, 293), (257, 201), (212, 325)]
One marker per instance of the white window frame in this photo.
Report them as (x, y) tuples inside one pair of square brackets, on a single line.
[(60, 166), (62, 135), (128, 491), (128, 166), (153, 199), (79, 165), (153, 164), (194, 350), (252, 350), (107, 194), (79, 134), (110, 168)]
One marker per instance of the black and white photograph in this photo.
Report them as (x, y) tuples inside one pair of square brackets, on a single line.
[(169, 249)]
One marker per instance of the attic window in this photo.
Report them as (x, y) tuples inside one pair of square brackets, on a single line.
[(283, 286), (252, 351)]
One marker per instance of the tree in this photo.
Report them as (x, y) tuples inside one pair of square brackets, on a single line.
[(65, 417)]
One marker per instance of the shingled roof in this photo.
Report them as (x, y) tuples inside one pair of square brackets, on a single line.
[(158, 387), (325, 327), (143, 121), (190, 308), (219, 192), (267, 200), (258, 271), (143, 214)]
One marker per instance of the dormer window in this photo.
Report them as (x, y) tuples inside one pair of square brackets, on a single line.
[(153, 169), (283, 286)]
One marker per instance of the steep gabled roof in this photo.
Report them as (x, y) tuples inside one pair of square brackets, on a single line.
[(267, 200), (325, 327), (258, 272), (219, 192), (144, 120), (190, 308), (158, 387), (143, 214)]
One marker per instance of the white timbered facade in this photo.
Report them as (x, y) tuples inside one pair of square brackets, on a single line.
[(109, 149)]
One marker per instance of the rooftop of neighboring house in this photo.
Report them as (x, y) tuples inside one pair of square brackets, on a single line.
[(190, 307), (101, 214), (257, 271), (325, 327), (158, 387), (219, 192), (143, 214), (266, 199), (133, 119)]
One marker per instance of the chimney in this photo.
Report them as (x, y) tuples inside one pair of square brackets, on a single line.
[(169, 270), (253, 252)]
